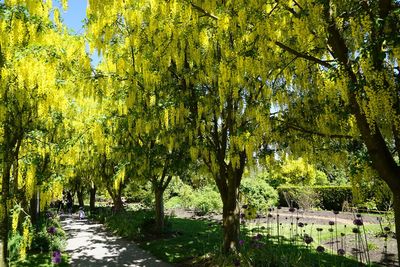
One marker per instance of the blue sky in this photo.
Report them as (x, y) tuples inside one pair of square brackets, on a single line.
[(75, 14), (74, 17)]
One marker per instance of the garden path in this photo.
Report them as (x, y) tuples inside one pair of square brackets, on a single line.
[(89, 244)]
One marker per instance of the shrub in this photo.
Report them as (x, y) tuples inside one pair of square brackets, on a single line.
[(301, 197), (49, 235), (206, 200), (258, 194), (330, 197), (203, 200)]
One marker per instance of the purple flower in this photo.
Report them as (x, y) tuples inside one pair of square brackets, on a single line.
[(291, 209), (56, 257), (358, 222), (241, 242), (386, 228), (259, 236), (358, 215), (356, 230), (319, 229), (245, 206), (279, 207), (242, 215), (308, 239), (341, 252), (335, 212), (52, 230), (331, 223), (320, 249), (300, 224)]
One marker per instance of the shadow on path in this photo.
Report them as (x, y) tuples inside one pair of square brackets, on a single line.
[(89, 245)]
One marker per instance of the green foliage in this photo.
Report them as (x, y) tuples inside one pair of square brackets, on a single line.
[(44, 240), (206, 200), (14, 244), (202, 200), (330, 197), (369, 190), (41, 260), (293, 172), (130, 224), (138, 191), (258, 194)]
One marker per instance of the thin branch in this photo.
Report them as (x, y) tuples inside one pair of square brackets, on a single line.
[(205, 12), (304, 55), (304, 130)]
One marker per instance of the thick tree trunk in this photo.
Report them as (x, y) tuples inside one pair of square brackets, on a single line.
[(159, 194), (92, 197), (80, 195), (231, 220), (396, 202), (118, 205), (117, 200)]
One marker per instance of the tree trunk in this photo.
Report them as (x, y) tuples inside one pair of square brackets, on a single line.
[(92, 197), (396, 204), (32, 209), (79, 193), (159, 194), (118, 205), (231, 219), (117, 200), (4, 199)]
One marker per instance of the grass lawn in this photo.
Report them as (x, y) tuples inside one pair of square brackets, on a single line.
[(187, 241), (324, 235), (190, 239)]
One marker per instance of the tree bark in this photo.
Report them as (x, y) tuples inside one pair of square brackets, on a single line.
[(32, 209), (159, 194), (80, 195), (231, 219), (396, 206), (93, 197), (118, 205)]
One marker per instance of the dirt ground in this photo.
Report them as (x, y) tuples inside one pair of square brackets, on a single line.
[(376, 252)]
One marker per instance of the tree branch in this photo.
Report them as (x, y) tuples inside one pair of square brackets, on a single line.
[(205, 12), (304, 55), (304, 130)]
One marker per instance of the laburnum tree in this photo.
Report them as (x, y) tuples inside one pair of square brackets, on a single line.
[(210, 53), (342, 69), (38, 63), (154, 115)]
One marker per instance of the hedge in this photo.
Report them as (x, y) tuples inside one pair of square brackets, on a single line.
[(330, 197)]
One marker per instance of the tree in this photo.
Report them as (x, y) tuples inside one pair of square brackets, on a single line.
[(211, 55), (344, 56), (37, 60)]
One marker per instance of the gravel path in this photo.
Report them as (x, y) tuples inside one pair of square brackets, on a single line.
[(89, 245)]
